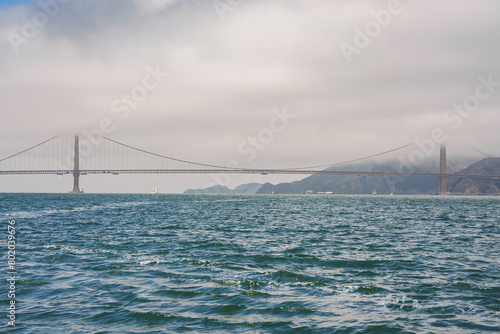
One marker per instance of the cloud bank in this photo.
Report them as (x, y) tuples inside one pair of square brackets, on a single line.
[(229, 67)]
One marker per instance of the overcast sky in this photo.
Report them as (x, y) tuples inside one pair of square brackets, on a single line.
[(231, 65)]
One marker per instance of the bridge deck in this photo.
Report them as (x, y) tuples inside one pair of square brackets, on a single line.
[(243, 171)]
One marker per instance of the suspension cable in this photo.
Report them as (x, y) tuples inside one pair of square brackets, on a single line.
[(26, 150)]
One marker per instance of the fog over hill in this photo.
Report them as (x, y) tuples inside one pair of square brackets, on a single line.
[(250, 188), (414, 185), (390, 184), (489, 166)]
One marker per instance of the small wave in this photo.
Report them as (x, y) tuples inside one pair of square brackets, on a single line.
[(117, 266), (31, 282), (203, 263), (228, 309), (354, 264), (179, 293), (149, 262), (245, 284), (285, 276), (77, 250), (288, 309), (49, 212), (401, 302), (369, 290)]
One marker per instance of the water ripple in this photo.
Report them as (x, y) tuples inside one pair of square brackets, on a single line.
[(256, 264)]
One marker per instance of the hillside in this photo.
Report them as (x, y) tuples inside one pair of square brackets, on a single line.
[(353, 184), (490, 166), (249, 188)]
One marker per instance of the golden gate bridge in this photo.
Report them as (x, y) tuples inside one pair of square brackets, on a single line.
[(63, 155)]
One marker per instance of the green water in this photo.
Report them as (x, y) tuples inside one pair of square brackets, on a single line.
[(253, 264)]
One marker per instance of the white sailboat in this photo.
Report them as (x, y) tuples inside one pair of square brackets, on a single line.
[(154, 189)]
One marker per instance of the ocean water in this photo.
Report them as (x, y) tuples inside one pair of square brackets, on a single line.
[(252, 264)]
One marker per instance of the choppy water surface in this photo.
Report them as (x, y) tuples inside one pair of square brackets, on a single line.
[(254, 264)]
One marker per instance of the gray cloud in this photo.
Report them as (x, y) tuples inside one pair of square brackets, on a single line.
[(227, 76)]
